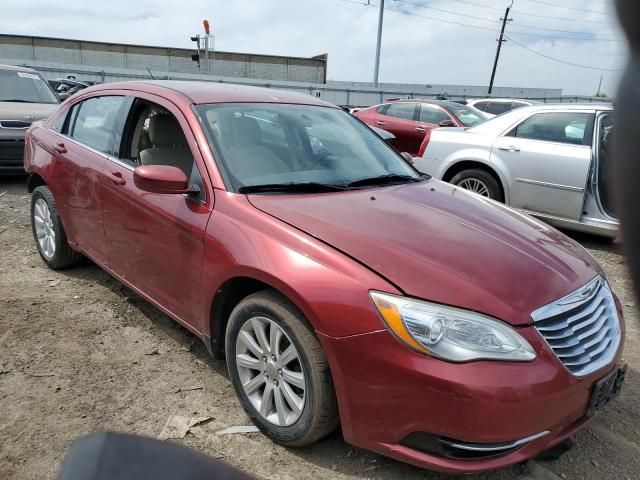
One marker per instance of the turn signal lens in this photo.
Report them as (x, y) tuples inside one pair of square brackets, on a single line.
[(450, 333)]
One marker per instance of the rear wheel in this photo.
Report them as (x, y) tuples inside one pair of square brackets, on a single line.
[(279, 370), (480, 182), (48, 231)]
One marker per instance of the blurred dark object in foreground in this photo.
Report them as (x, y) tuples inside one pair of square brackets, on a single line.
[(626, 147), (117, 456)]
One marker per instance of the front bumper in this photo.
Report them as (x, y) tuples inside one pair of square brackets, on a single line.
[(388, 394), (11, 156)]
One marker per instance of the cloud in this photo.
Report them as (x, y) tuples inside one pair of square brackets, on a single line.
[(414, 50)]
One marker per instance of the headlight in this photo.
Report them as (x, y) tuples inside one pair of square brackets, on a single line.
[(450, 333)]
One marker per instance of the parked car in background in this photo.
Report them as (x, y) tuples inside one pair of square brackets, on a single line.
[(25, 97), (498, 106), (65, 87), (453, 333), (552, 161), (409, 120)]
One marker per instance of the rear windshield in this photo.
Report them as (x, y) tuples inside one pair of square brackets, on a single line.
[(26, 87), (261, 144), (468, 116)]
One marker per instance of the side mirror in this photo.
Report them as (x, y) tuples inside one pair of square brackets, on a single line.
[(161, 179), (447, 123), (408, 157)]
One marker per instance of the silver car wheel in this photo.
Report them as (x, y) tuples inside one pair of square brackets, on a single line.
[(44, 228), (270, 371), (475, 185)]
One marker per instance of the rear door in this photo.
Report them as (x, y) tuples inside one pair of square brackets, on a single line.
[(547, 157), (401, 119), (81, 147), (156, 241)]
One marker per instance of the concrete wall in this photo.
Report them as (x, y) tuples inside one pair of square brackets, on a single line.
[(161, 61)]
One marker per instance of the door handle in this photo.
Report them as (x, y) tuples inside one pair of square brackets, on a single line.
[(59, 147), (116, 179), (380, 122), (420, 129), (510, 148)]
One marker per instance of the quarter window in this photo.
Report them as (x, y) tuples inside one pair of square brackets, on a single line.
[(95, 122), (402, 110), (481, 106), (432, 114), (560, 127), (497, 108)]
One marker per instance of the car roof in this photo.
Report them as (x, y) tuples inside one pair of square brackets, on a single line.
[(16, 68), (199, 92), (443, 103), (568, 106)]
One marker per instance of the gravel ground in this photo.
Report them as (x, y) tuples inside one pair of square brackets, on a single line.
[(79, 352)]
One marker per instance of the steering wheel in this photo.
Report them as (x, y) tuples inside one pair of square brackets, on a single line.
[(321, 158)]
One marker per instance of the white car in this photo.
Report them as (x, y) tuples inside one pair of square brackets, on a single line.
[(552, 161)]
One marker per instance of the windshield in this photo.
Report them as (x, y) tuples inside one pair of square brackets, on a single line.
[(25, 87), (468, 116), (278, 145)]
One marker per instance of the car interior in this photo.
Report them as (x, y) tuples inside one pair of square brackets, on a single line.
[(156, 138)]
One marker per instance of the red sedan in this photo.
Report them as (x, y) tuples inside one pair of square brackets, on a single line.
[(410, 120), (342, 286)]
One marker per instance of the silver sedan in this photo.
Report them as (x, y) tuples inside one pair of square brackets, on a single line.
[(552, 161)]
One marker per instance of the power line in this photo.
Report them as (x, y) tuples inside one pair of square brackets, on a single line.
[(497, 21), (481, 5), (568, 8), (589, 67), (478, 27)]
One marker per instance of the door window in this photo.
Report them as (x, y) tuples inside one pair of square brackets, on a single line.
[(402, 110), (154, 136), (95, 122), (497, 108), (562, 127), (432, 114)]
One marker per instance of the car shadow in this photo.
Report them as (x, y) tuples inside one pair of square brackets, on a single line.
[(91, 272)]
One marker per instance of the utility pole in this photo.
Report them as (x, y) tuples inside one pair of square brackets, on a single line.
[(500, 41), (377, 66)]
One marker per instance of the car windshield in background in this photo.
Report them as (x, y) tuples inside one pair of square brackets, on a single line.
[(468, 116), (25, 87), (299, 149)]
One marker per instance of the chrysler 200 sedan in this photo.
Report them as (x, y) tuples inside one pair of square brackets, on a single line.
[(342, 286)]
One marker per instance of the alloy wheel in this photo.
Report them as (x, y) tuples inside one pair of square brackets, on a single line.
[(270, 371), (44, 228), (475, 185)]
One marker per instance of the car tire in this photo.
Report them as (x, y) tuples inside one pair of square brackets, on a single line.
[(480, 182), (48, 232), (273, 412)]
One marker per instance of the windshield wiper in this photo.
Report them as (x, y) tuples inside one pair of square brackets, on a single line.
[(306, 187), (15, 100), (388, 179)]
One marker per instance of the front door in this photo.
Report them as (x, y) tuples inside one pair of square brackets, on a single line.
[(548, 157), (156, 241)]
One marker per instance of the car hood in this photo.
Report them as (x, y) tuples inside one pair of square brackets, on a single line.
[(27, 112), (444, 244)]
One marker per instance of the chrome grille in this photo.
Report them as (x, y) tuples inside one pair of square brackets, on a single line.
[(582, 328), (14, 124)]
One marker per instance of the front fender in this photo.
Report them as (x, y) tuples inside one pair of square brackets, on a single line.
[(330, 288)]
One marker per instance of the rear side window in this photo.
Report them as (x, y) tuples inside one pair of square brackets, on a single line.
[(560, 127), (481, 106), (496, 108), (402, 110), (382, 108), (95, 121)]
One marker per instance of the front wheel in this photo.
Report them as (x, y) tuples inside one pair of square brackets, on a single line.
[(279, 370), (480, 182)]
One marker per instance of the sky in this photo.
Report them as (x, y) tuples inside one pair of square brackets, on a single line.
[(423, 41)]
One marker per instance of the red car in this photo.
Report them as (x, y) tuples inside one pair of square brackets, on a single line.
[(343, 286), (410, 120)]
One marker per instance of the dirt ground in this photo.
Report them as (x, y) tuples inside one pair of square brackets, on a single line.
[(79, 352)]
